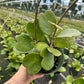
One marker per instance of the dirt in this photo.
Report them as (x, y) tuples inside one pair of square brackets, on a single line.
[(3, 64)]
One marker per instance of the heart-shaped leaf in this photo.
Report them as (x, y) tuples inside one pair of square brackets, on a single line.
[(48, 62), (64, 42), (32, 62), (24, 43), (40, 45), (55, 52), (31, 31), (69, 33), (45, 26)]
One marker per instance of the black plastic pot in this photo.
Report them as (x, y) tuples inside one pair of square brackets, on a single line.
[(60, 63)]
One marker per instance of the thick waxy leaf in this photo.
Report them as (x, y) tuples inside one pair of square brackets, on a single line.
[(55, 52), (48, 62), (69, 33), (31, 31), (40, 45), (43, 52), (79, 80), (45, 26), (64, 42), (16, 51), (24, 43), (32, 62), (33, 51)]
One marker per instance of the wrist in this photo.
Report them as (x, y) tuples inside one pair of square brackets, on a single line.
[(11, 81)]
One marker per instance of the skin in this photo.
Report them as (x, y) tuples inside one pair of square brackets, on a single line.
[(22, 77)]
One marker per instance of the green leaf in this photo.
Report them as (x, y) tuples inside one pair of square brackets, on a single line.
[(71, 51), (46, 27), (47, 38), (0, 68), (66, 57), (16, 51), (48, 62), (43, 52), (3, 52), (33, 51), (69, 79), (54, 24), (32, 62), (79, 80), (1, 76), (55, 52), (62, 69), (52, 75), (82, 57), (31, 31), (64, 42), (75, 47), (78, 68), (40, 45), (24, 43), (77, 55), (63, 83), (13, 65), (69, 33)]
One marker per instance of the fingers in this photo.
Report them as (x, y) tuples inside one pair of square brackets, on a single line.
[(37, 76)]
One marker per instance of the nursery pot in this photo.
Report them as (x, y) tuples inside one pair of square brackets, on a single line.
[(60, 63)]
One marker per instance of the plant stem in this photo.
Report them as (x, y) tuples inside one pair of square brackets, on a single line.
[(51, 45), (35, 25)]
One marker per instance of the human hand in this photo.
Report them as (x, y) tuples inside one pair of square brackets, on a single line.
[(22, 77)]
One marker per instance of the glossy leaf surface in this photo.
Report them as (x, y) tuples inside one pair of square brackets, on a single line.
[(33, 62)]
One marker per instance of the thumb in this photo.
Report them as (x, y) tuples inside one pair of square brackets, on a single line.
[(37, 76)]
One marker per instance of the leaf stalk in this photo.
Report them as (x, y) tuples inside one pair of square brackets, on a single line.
[(51, 45), (35, 25)]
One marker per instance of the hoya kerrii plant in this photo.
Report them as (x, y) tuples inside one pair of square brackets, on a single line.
[(44, 42)]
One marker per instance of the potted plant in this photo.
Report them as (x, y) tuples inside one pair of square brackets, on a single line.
[(44, 42)]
